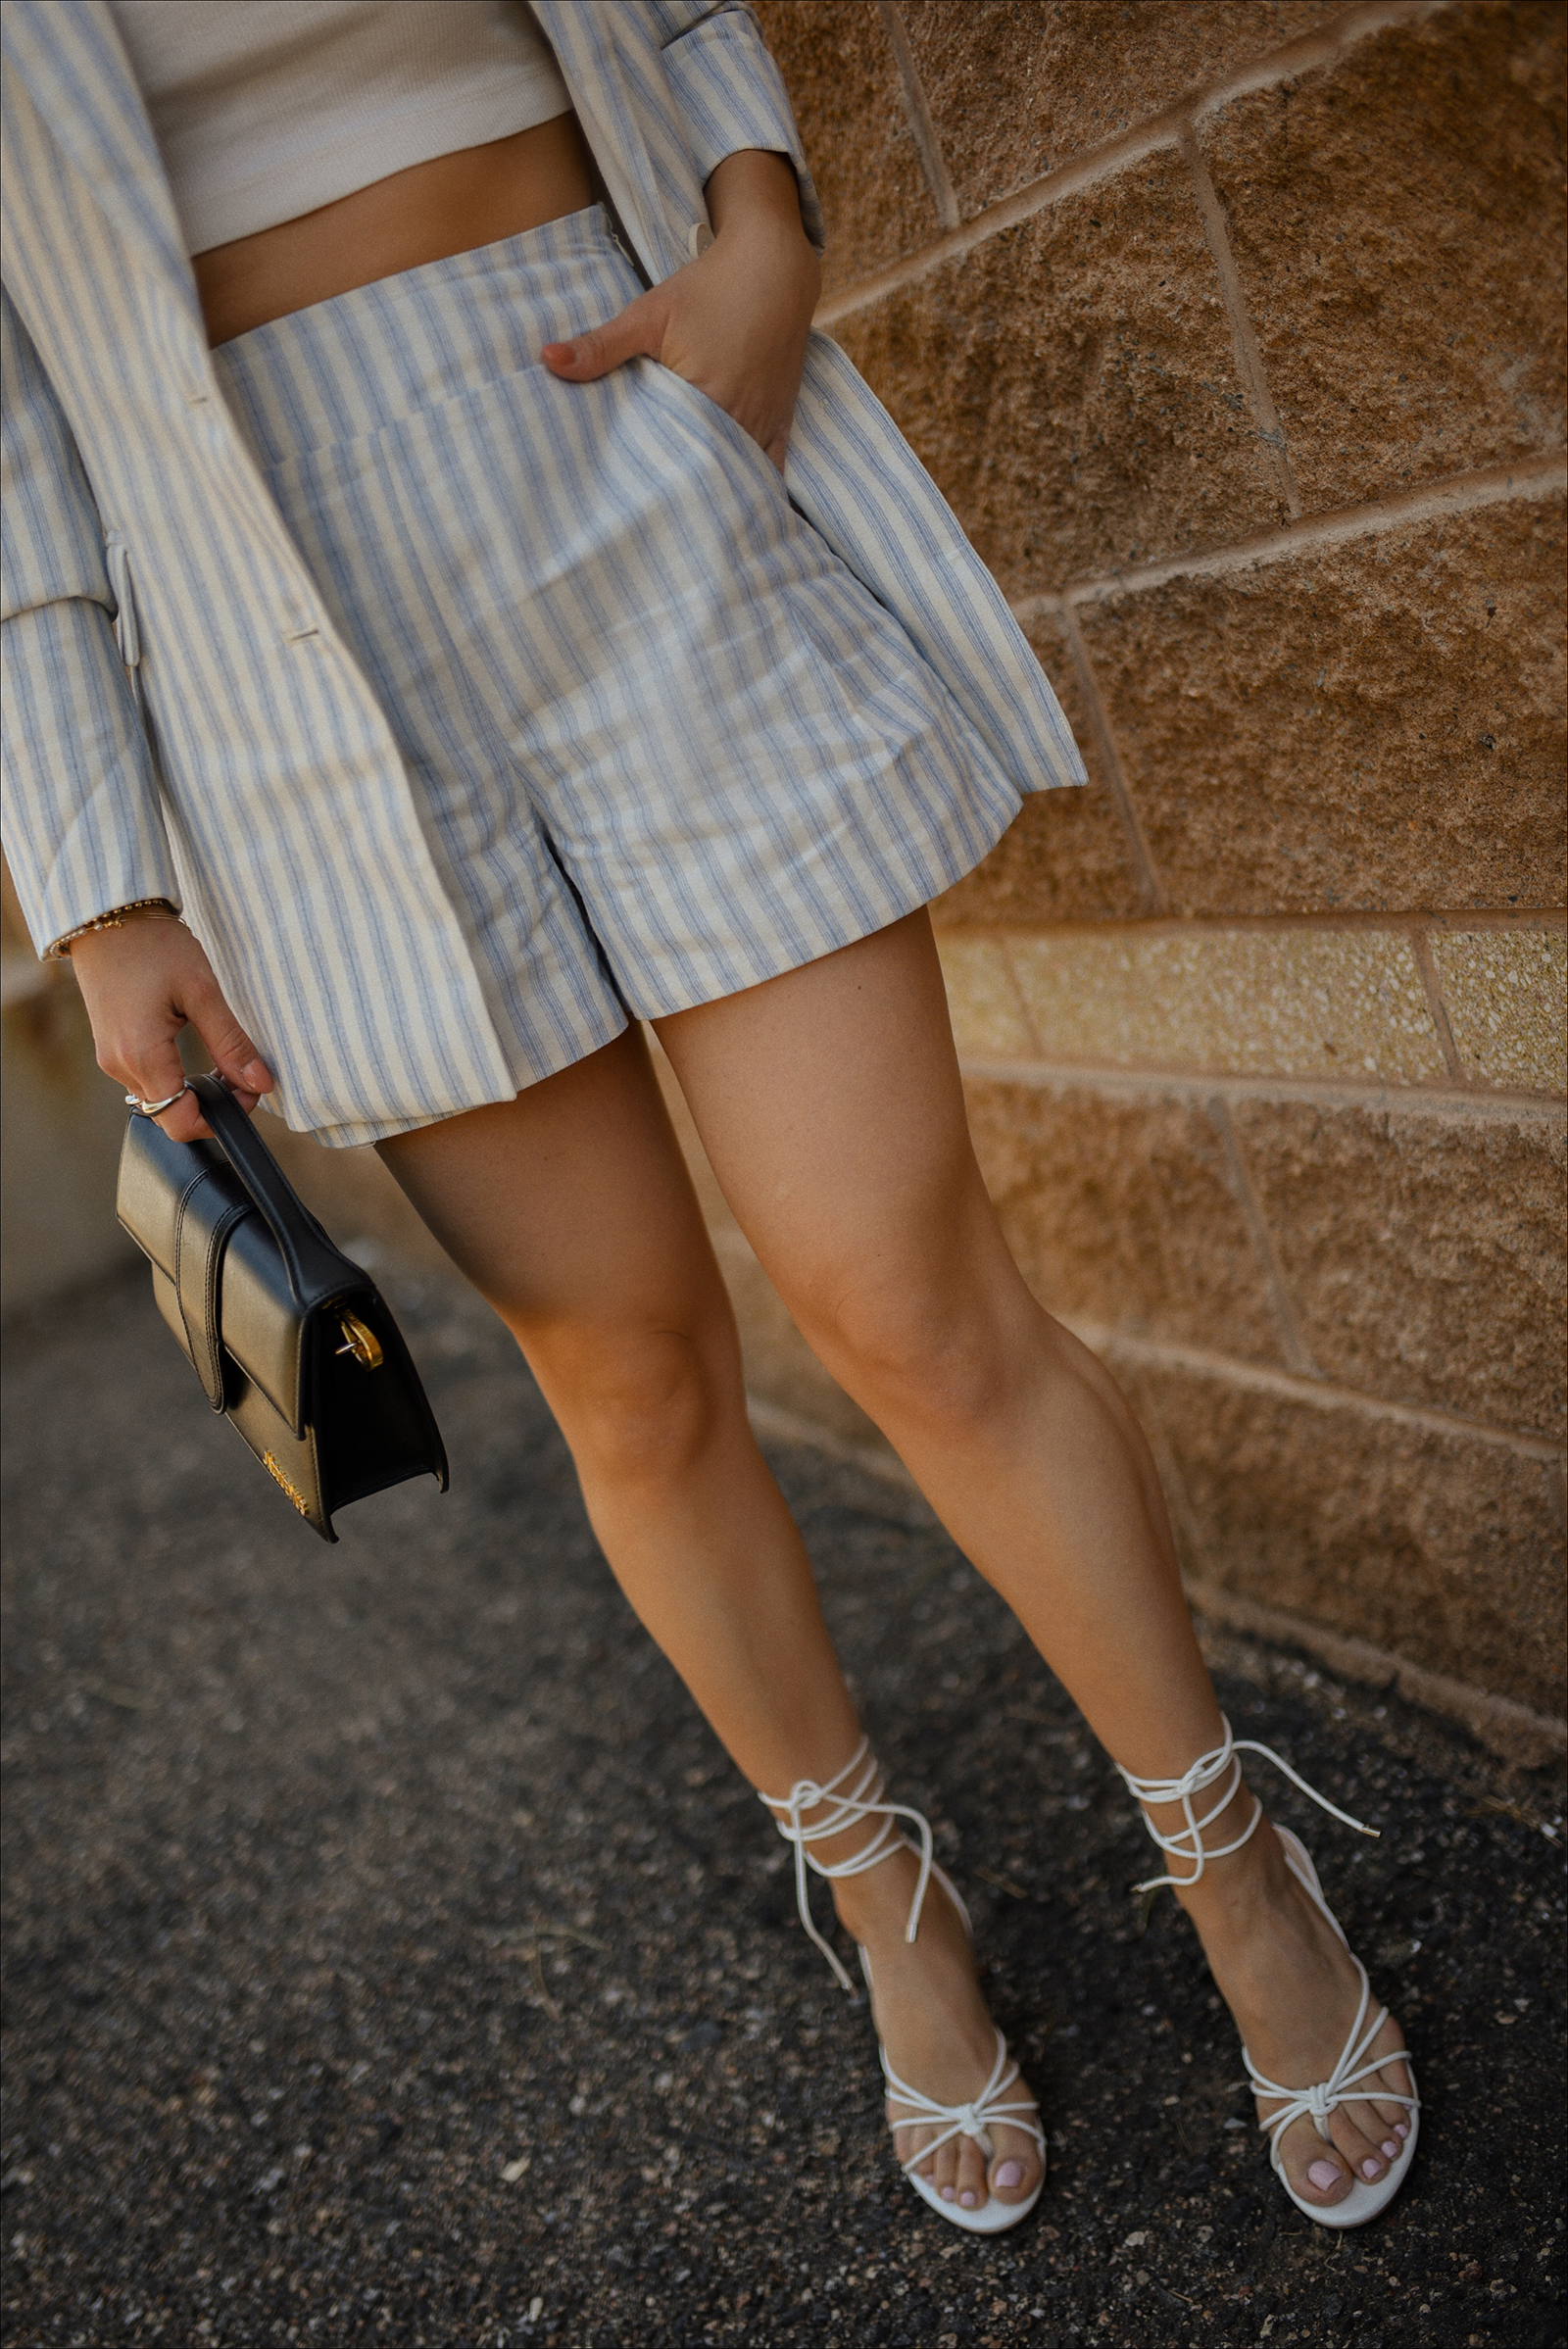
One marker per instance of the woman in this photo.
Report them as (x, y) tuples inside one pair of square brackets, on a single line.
[(475, 689)]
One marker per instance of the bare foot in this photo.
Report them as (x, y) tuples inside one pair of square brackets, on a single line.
[(1291, 1985), (932, 2020)]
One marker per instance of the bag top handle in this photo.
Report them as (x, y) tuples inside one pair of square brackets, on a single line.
[(315, 1267)]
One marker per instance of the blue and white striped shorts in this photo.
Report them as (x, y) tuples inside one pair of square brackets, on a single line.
[(663, 742)]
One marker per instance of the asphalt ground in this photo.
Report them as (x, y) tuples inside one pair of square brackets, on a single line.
[(394, 1956)]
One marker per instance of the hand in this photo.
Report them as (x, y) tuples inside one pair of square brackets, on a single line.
[(734, 323), (141, 984)]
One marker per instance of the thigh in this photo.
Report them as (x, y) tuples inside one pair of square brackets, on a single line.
[(830, 1105), (570, 1208)]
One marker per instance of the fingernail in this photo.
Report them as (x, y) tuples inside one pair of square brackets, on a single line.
[(1323, 2175), (949, 2193), (253, 1076), (565, 351), (1010, 2173), (1391, 2147), (968, 2200), (1401, 2129), (1371, 2169)]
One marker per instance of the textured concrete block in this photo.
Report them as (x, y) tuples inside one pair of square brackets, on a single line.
[(1377, 724), (1249, 1003), (1120, 1211), (1066, 858), (1422, 1255), (1443, 1547), (1504, 994), (842, 82), (1398, 223), (987, 1019), (1070, 386), (1015, 93)]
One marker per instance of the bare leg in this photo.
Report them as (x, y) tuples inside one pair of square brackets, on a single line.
[(571, 1211), (830, 1106)]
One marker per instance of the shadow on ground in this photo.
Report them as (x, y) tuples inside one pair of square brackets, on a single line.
[(395, 1957)]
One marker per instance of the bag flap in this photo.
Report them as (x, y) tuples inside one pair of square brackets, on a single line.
[(190, 1214), (155, 1174)]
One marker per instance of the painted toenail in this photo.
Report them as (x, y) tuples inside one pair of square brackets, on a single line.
[(1010, 2173), (1323, 2175), (949, 2193), (968, 2200), (1371, 2169), (1401, 2129), (1391, 2147)]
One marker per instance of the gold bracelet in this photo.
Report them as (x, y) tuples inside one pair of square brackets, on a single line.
[(61, 949)]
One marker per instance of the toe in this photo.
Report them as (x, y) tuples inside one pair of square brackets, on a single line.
[(1363, 2152), (971, 2175), (1317, 2172), (1015, 2171)]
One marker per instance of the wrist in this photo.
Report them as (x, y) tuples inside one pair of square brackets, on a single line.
[(117, 916), (756, 189)]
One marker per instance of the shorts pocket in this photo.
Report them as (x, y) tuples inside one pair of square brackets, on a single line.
[(712, 422)]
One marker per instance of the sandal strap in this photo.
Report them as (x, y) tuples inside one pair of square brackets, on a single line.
[(972, 2120), (852, 1793), (1206, 1773), (1317, 2102)]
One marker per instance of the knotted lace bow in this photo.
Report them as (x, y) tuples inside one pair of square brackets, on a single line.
[(844, 1807), (1188, 1842), (972, 2120)]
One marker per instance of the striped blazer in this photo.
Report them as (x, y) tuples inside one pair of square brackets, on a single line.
[(180, 717)]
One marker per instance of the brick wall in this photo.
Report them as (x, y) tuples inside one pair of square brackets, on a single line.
[(1232, 330)]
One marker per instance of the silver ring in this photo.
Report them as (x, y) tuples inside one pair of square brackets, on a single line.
[(133, 1100)]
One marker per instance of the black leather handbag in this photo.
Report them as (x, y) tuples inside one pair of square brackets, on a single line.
[(292, 1341)]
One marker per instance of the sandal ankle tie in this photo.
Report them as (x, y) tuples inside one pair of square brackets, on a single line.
[(1188, 1842), (845, 1807)]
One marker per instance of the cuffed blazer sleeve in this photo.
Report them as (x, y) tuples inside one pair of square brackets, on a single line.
[(84, 824), (729, 93)]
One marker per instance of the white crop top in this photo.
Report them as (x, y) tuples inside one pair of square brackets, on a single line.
[(267, 108)]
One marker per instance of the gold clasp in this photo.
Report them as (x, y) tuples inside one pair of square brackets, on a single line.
[(362, 1343)]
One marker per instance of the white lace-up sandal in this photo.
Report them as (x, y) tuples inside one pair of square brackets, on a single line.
[(1364, 2200), (854, 1795)]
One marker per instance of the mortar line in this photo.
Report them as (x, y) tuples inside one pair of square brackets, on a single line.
[(1479, 1105), (1162, 129), (1243, 335), (917, 113), (1143, 862), (1539, 920), (1263, 1239), (1499, 1721), (1421, 947), (1323, 1395), (1538, 477)]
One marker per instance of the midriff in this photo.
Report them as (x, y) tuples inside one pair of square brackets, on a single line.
[(449, 205)]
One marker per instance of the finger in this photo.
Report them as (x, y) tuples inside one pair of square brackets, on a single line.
[(235, 1058), (151, 1068), (637, 333)]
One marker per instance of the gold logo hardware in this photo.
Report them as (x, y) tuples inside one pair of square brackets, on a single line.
[(362, 1343), (277, 1476)]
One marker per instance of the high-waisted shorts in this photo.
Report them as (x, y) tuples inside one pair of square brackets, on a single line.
[(663, 742)]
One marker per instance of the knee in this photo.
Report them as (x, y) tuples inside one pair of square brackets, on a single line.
[(923, 1353), (640, 1407)]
